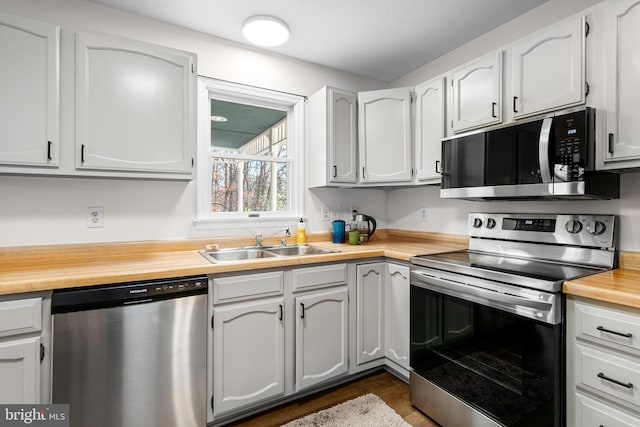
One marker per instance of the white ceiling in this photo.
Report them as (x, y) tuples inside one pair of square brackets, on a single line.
[(381, 39)]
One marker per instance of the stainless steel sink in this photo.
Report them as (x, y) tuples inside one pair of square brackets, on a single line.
[(299, 250), (240, 254), (253, 253)]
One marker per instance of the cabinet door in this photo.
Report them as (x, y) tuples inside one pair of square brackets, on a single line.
[(29, 84), (135, 109), (20, 371), (429, 130), (397, 315), (322, 330), (477, 93), (549, 69), (384, 125), (341, 135), (370, 312), (248, 354), (621, 55)]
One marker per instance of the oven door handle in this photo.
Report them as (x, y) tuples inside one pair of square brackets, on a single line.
[(540, 310)]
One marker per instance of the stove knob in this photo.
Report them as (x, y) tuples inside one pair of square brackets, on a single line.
[(596, 227), (573, 226), (491, 223), (477, 223)]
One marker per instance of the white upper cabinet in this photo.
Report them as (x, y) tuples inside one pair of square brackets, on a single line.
[(429, 130), (136, 106), (477, 93), (620, 20), (384, 136), (332, 144), (548, 69), (29, 88)]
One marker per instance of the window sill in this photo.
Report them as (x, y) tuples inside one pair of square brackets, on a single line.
[(243, 222)]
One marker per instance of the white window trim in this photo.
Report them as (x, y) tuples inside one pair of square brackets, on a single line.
[(233, 92)]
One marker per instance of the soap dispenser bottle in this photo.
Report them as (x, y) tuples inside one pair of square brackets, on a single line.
[(301, 234)]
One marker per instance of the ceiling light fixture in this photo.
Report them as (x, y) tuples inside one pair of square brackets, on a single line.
[(219, 119), (265, 30)]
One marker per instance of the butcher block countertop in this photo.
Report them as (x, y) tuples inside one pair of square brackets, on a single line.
[(619, 286), (43, 268)]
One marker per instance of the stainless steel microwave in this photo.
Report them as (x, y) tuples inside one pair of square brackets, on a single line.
[(552, 157)]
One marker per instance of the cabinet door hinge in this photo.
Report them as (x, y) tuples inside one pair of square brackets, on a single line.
[(41, 352), (587, 29), (587, 89)]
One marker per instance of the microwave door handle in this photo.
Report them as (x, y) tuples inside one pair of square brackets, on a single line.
[(543, 150)]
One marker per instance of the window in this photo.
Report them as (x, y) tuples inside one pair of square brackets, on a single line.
[(249, 154)]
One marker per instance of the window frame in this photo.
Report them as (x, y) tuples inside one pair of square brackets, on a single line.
[(209, 88)]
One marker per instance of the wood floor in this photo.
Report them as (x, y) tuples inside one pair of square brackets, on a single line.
[(390, 389)]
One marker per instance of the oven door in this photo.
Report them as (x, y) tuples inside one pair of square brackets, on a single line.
[(487, 350)]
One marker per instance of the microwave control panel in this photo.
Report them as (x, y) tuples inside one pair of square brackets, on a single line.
[(573, 139)]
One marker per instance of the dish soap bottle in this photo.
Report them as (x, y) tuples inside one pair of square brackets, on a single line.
[(301, 234)]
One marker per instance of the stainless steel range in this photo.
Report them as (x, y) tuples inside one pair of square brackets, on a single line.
[(487, 323)]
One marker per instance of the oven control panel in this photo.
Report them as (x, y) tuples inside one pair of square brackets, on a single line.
[(579, 230)]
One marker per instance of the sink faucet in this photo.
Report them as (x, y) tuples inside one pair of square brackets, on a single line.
[(283, 242)]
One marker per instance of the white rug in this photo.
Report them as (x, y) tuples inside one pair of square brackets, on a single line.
[(364, 411)]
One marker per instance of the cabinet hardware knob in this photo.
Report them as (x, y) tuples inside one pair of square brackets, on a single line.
[(281, 317), (335, 171), (438, 164), (49, 144), (82, 153), (302, 314), (493, 110), (515, 99), (609, 331)]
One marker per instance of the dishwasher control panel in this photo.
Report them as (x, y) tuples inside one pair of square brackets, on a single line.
[(78, 299)]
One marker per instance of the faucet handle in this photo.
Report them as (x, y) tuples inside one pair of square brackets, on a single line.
[(213, 247)]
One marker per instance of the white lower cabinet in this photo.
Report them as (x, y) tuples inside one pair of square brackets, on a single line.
[(370, 284), (20, 371), (397, 315), (322, 336), (248, 353), (25, 349), (276, 333), (604, 372)]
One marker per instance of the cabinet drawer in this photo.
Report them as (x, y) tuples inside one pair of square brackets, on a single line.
[(590, 412), (608, 373), (20, 316), (610, 325), (324, 275), (248, 285)]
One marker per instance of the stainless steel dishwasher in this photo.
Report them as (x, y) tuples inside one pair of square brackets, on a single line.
[(132, 355)]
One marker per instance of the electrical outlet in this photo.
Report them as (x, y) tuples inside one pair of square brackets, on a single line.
[(423, 215), (95, 217), (325, 214)]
